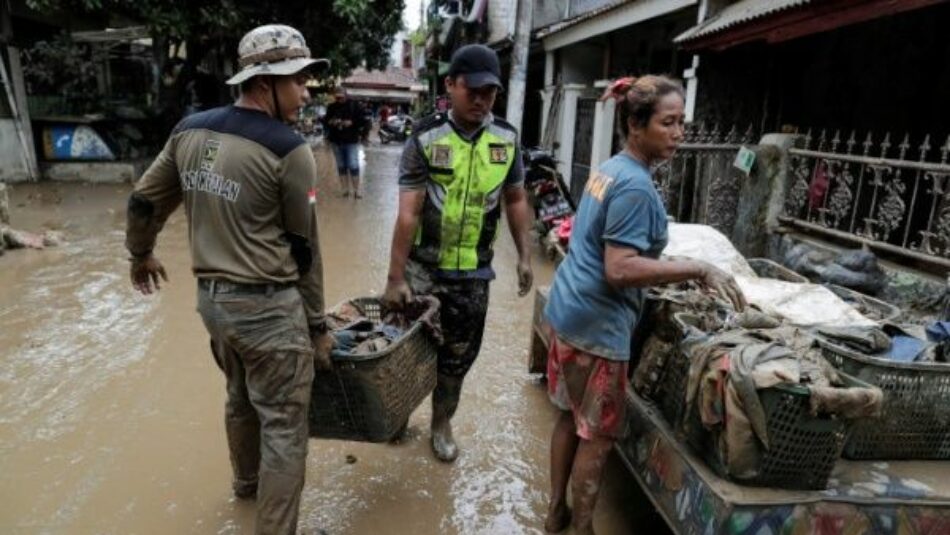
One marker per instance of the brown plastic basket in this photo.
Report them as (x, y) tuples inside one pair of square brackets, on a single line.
[(369, 398), (915, 419)]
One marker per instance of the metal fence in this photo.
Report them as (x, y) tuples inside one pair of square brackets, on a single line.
[(892, 198), (583, 146), (699, 184)]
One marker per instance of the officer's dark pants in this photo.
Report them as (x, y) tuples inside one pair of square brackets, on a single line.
[(261, 342)]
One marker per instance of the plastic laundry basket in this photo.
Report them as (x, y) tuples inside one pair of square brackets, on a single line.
[(370, 397)]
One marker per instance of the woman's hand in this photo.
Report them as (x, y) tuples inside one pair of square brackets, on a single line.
[(722, 283)]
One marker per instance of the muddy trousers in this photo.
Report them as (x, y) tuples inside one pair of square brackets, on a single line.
[(261, 342)]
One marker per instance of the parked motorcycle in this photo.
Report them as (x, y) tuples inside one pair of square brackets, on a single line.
[(550, 196), (397, 128)]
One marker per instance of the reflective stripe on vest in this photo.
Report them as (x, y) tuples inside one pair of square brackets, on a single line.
[(463, 196)]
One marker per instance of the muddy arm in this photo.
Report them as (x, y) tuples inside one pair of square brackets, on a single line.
[(155, 197)]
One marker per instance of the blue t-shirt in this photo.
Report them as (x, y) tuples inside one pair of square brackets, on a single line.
[(620, 205)]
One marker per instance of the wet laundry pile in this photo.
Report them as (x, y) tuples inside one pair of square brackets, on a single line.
[(356, 333), (730, 358), (728, 369)]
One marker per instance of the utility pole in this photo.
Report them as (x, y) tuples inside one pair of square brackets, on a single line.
[(519, 63)]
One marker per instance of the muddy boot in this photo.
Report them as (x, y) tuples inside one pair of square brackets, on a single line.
[(445, 400)]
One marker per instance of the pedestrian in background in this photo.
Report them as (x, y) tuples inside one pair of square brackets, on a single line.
[(247, 182), (597, 296), (458, 171), (346, 126)]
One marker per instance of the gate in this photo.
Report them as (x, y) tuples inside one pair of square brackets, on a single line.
[(699, 184), (583, 145)]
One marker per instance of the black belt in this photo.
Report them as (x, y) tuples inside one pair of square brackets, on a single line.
[(218, 286)]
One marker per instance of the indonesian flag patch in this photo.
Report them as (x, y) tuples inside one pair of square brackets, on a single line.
[(312, 196)]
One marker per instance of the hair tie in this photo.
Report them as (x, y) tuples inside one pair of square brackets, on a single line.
[(618, 88)]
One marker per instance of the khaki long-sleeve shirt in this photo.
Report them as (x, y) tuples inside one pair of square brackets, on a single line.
[(247, 182)]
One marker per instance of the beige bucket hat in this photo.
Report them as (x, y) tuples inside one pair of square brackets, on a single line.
[(273, 49)]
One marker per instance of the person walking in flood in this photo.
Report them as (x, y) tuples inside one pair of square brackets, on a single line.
[(597, 296), (247, 181), (346, 126), (458, 171)]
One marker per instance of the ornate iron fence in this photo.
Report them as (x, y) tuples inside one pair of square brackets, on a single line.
[(892, 198), (699, 184)]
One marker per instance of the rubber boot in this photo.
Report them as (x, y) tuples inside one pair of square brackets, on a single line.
[(445, 400), (356, 187)]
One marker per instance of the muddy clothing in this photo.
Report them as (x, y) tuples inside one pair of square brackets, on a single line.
[(261, 342), (247, 182), (463, 308), (464, 176), (590, 387)]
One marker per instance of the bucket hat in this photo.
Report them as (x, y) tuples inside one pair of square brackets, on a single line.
[(273, 49)]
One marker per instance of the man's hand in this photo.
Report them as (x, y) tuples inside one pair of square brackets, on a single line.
[(525, 278), (723, 284), (322, 346), (146, 271), (397, 294)]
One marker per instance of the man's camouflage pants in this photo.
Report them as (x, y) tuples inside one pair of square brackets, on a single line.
[(261, 342)]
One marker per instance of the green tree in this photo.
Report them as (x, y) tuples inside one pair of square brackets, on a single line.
[(347, 32)]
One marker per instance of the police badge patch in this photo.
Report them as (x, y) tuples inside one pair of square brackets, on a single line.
[(441, 156), (209, 153), (498, 154)]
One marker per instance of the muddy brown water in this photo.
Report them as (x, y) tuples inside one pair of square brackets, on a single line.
[(111, 408)]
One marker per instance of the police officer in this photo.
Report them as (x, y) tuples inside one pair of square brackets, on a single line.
[(458, 171), (247, 182)]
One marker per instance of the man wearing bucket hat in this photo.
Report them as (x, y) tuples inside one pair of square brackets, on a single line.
[(247, 182), (457, 173)]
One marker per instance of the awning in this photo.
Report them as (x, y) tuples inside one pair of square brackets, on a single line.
[(361, 93), (607, 19), (775, 21), (736, 14)]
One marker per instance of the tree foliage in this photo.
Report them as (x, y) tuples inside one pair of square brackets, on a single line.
[(348, 32)]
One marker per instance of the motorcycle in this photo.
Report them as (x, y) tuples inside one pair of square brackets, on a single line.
[(550, 196), (396, 128)]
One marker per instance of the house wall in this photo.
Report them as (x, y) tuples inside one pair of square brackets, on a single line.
[(582, 63), (885, 75), (12, 168), (501, 19)]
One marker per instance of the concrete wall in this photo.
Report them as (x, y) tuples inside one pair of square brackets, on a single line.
[(547, 12), (12, 168), (501, 19)]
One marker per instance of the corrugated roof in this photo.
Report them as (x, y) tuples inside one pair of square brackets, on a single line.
[(564, 24), (738, 13), (393, 77)]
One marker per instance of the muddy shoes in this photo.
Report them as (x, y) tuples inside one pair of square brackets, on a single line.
[(445, 400)]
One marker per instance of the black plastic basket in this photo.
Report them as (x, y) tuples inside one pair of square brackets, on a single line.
[(369, 398), (915, 418), (803, 448)]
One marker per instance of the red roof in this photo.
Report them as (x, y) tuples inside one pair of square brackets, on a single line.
[(391, 78)]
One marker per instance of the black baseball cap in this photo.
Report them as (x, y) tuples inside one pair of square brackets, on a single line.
[(478, 64)]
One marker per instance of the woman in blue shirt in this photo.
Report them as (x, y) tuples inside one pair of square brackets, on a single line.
[(619, 231)]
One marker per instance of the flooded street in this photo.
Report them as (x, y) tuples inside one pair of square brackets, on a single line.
[(111, 407)]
